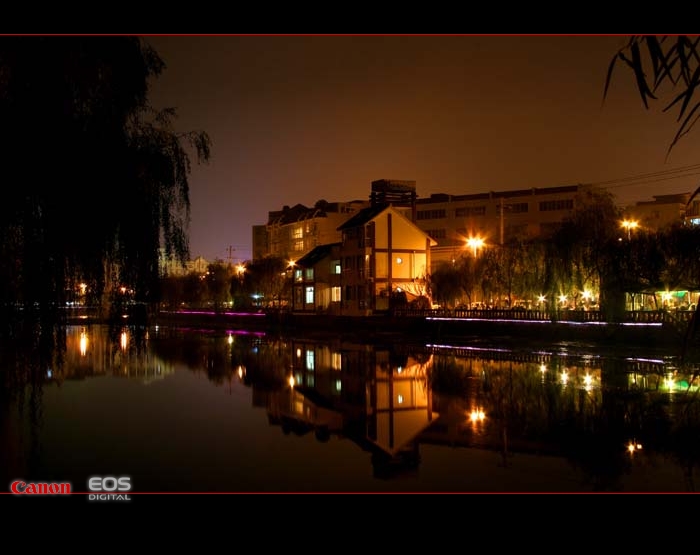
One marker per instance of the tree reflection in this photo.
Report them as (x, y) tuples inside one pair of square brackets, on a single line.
[(30, 353), (607, 416)]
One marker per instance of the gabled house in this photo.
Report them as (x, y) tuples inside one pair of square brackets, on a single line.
[(316, 284), (382, 253)]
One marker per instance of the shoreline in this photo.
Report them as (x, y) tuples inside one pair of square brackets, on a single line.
[(642, 336)]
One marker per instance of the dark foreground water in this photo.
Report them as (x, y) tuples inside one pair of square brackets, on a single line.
[(185, 410)]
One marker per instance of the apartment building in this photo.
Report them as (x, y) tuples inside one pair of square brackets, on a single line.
[(664, 210), (494, 217), (294, 231)]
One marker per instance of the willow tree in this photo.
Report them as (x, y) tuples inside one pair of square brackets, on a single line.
[(95, 179), (666, 69), (667, 66), (583, 251)]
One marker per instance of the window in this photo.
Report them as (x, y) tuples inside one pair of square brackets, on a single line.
[(335, 294), (309, 298), (297, 274), (437, 233), (551, 205), (310, 358), (518, 207), (335, 267), (309, 274), (430, 214), (467, 211)]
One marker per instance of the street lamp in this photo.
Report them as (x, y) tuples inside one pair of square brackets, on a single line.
[(475, 243), (629, 225)]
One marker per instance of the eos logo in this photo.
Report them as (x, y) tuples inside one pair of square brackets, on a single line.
[(109, 484)]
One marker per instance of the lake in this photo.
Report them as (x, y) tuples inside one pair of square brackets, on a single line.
[(177, 409)]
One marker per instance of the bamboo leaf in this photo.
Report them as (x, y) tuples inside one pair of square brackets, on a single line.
[(638, 68), (684, 68), (608, 77), (686, 96), (662, 68), (685, 127)]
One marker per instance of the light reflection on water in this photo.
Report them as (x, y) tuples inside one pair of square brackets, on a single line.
[(234, 411)]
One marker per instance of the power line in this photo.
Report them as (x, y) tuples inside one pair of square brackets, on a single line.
[(651, 181), (635, 179)]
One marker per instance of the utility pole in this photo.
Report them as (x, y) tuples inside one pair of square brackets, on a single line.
[(502, 206), (230, 255)]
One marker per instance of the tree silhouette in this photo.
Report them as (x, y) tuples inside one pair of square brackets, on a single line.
[(96, 180), (664, 61)]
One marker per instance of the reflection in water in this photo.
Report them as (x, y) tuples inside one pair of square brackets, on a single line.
[(613, 418)]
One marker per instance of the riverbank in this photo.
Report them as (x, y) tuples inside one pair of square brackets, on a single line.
[(438, 329)]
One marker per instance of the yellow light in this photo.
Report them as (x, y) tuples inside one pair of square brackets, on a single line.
[(291, 381), (629, 225), (83, 343), (230, 339), (475, 243), (477, 415), (633, 446)]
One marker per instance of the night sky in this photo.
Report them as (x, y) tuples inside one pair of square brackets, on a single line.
[(296, 119)]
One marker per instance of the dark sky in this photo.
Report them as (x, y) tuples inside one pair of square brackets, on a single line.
[(296, 119)]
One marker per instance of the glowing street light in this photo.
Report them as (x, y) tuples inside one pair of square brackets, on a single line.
[(629, 225), (475, 243)]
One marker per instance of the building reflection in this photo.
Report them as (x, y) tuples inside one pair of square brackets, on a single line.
[(392, 399), (370, 396)]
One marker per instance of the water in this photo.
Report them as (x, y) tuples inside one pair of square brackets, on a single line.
[(197, 410)]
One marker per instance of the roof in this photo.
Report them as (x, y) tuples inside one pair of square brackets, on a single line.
[(363, 216), (316, 254)]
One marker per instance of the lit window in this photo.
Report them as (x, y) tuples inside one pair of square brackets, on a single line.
[(309, 360), (335, 294), (309, 295)]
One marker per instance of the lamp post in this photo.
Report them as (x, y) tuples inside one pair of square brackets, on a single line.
[(475, 243), (629, 225)]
